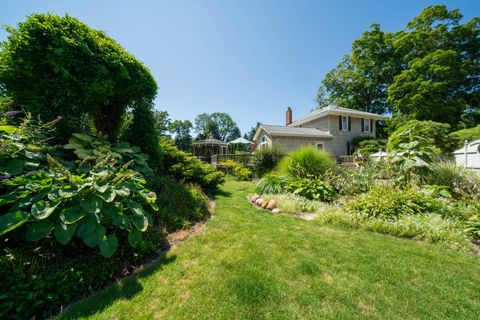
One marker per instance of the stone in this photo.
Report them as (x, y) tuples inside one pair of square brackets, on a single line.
[(259, 202), (276, 210), (272, 204), (264, 204), (255, 198)]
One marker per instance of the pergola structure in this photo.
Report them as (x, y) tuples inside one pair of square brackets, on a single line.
[(240, 145), (205, 149)]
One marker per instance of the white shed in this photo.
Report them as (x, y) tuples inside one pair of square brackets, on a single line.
[(469, 155)]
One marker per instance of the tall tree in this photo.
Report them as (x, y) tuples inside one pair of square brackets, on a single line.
[(54, 65), (181, 134), (430, 71), (251, 132), (219, 125), (162, 122)]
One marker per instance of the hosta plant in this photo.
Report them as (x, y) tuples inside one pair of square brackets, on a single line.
[(312, 189)]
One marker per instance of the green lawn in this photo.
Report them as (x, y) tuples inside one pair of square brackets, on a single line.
[(250, 264)]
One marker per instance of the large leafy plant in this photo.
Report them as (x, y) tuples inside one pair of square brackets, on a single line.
[(312, 189), (96, 200)]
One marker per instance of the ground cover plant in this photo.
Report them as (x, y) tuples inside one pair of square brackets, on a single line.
[(307, 270)]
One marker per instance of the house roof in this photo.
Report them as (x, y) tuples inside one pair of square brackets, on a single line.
[(240, 141), (335, 110), (210, 141), (275, 130)]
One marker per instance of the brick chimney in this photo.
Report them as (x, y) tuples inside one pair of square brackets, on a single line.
[(288, 116)]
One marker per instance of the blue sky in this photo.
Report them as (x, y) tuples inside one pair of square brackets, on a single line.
[(249, 58)]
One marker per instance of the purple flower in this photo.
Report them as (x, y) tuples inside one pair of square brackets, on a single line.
[(58, 118), (14, 112), (5, 177)]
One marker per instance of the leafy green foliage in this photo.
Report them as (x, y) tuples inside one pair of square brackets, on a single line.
[(237, 170), (179, 205), (218, 125), (428, 71), (410, 162), (181, 132), (38, 280), (306, 162), (473, 226), (24, 148), (92, 201), (54, 65), (266, 159), (142, 132), (186, 167), (312, 189), (457, 138), (432, 135), (347, 181), (272, 183), (387, 202), (460, 182), (88, 148)]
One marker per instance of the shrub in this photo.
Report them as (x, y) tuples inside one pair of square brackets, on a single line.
[(347, 181), (90, 204), (272, 183), (237, 170), (54, 65), (185, 167), (460, 181), (429, 227), (242, 173), (179, 205), (433, 134), (387, 202), (266, 159), (306, 162), (312, 189), (365, 146), (473, 227), (457, 138), (39, 278)]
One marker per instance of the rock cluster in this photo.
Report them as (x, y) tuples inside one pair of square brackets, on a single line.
[(265, 204)]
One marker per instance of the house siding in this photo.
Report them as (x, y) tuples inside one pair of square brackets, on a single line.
[(338, 146)]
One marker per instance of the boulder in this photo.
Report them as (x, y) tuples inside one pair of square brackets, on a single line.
[(255, 198), (259, 202), (276, 210), (264, 204), (272, 204)]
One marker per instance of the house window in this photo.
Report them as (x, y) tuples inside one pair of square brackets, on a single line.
[(320, 145), (344, 123), (366, 125), (264, 142)]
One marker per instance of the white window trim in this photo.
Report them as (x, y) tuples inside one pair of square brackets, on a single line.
[(264, 142), (366, 125), (345, 124)]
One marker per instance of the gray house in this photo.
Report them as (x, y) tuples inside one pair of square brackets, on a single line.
[(330, 128)]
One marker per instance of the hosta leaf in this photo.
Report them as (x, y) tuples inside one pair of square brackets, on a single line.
[(108, 245), (43, 209), (84, 153), (108, 195), (136, 208), (82, 137), (135, 238), (12, 220), (12, 166), (92, 204), (94, 237), (123, 192), (86, 226), (39, 230), (72, 214), (140, 222), (73, 146), (64, 232)]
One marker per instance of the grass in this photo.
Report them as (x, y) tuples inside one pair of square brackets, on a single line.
[(250, 264)]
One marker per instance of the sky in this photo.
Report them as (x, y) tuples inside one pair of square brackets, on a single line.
[(249, 58)]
